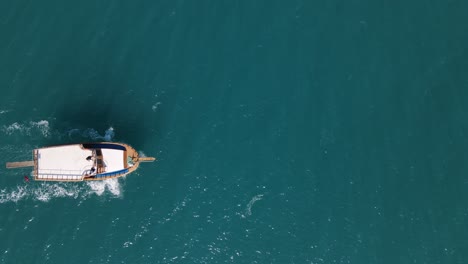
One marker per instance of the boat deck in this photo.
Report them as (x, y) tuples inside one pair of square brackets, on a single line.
[(78, 162), (83, 162), (70, 162)]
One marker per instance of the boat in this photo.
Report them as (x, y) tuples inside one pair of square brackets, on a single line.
[(82, 162)]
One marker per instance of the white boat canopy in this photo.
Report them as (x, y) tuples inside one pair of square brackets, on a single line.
[(94, 161), (74, 162)]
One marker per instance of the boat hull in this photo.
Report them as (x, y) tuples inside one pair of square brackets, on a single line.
[(83, 162)]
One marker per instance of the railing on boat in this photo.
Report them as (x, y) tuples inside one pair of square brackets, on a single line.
[(60, 174), (59, 177), (35, 158), (111, 174)]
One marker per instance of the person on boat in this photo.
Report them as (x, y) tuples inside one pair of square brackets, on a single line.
[(92, 170)]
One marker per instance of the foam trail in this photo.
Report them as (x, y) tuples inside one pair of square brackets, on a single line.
[(12, 196), (28, 128), (93, 134), (13, 128), (99, 187), (109, 134), (155, 106), (248, 210), (43, 126), (46, 191)]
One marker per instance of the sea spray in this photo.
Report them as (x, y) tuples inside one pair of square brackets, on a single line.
[(45, 191), (248, 209), (42, 126), (91, 133), (28, 128), (109, 134), (99, 187)]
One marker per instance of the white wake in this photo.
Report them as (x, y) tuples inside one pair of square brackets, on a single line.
[(248, 209), (91, 133), (28, 128), (46, 191)]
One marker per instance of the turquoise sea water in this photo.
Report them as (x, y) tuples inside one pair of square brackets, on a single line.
[(285, 131)]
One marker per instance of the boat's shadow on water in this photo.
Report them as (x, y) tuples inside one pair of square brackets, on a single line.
[(90, 113)]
